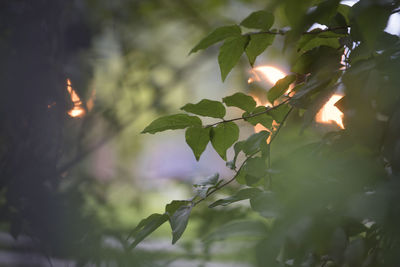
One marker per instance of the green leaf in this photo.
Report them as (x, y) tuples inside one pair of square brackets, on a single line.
[(262, 20), (279, 113), (257, 44), (264, 119), (368, 20), (197, 138), (254, 142), (230, 52), (309, 42), (280, 87), (240, 195), (344, 10), (147, 226), (216, 36), (206, 107), (170, 122), (179, 221), (239, 228), (224, 136), (172, 207), (241, 101)]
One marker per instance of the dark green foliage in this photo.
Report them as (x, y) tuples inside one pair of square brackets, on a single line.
[(257, 44), (230, 53)]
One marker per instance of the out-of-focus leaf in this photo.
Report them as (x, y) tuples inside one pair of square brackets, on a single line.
[(206, 107), (224, 136), (368, 21), (230, 52), (264, 119), (147, 226), (216, 36), (241, 101), (265, 204), (344, 10), (280, 87), (262, 20), (171, 122), (211, 180), (179, 221), (242, 228), (255, 167), (254, 142), (197, 138), (257, 44), (240, 195), (323, 58)]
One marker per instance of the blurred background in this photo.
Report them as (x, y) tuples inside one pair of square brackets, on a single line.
[(79, 81)]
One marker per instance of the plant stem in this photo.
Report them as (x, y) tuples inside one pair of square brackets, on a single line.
[(250, 116)]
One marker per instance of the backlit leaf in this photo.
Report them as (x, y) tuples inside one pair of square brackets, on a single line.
[(257, 44), (170, 122), (280, 87), (262, 20), (241, 101), (216, 36), (230, 52), (206, 107)]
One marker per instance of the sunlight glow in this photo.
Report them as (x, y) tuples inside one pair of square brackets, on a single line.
[(77, 110), (330, 113), (269, 73)]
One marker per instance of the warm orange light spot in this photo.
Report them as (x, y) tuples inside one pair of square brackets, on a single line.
[(90, 102), (330, 113), (269, 73), (77, 110)]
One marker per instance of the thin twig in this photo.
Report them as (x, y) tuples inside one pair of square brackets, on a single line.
[(229, 181), (281, 32), (247, 158), (249, 116)]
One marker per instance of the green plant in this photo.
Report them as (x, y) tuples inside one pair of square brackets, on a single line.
[(330, 201)]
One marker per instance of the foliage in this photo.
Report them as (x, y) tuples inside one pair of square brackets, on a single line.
[(329, 201)]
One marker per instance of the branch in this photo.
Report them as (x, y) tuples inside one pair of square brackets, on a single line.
[(250, 116), (248, 157)]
